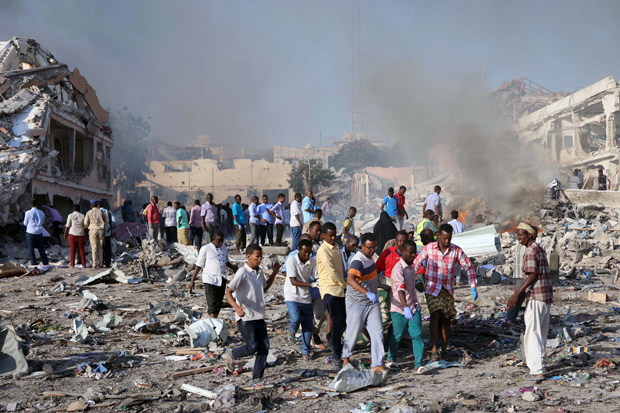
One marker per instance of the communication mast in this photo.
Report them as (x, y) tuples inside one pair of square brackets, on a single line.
[(359, 120)]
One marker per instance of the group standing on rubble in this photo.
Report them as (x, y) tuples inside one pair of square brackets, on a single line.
[(327, 278)]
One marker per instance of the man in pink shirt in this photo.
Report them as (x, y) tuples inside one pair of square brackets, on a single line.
[(195, 225), (405, 309), (153, 217)]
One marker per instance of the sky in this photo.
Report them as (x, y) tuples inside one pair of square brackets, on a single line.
[(269, 72)]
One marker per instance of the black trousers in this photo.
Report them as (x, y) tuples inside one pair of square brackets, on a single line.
[(171, 235), (254, 334), (107, 251), (338, 312)]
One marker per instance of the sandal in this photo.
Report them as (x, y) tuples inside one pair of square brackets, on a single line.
[(434, 356), (292, 339)]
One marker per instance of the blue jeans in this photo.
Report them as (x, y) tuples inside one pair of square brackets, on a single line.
[(36, 240), (399, 324), (254, 334), (513, 313), (296, 234), (301, 313)]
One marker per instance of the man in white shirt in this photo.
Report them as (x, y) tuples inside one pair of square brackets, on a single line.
[(77, 238), (249, 286), (213, 260), (297, 220), (433, 202), (278, 211), (170, 224), (455, 223), (574, 181), (300, 271), (33, 220)]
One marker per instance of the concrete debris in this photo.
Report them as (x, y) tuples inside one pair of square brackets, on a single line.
[(80, 331), (111, 275), (54, 135), (108, 322)]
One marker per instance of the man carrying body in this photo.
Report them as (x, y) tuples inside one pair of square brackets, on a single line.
[(249, 286), (433, 202), (208, 214), (239, 221), (254, 221), (297, 220), (402, 213), (348, 226), (213, 260), (33, 220), (300, 271), (307, 207), (390, 204), (539, 292), (195, 225), (442, 257), (95, 221), (152, 218), (362, 304), (170, 224), (457, 226), (602, 181), (332, 287), (277, 211)]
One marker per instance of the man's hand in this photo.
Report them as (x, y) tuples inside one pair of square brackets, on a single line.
[(474, 293), (191, 286), (276, 267), (512, 302), (372, 297), (314, 284), (240, 312), (408, 313)]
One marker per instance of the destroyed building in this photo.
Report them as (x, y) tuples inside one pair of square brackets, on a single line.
[(55, 137), (579, 130)]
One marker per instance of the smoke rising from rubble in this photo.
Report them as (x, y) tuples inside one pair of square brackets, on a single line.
[(421, 109)]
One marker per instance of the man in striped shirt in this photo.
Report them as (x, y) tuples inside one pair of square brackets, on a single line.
[(442, 258), (362, 304)]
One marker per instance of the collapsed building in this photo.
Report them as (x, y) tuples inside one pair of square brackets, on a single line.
[(579, 130), (55, 138)]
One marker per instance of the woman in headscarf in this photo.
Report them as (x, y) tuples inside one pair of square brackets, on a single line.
[(384, 230)]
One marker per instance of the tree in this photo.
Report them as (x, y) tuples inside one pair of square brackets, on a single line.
[(356, 155), (129, 153), (299, 179)]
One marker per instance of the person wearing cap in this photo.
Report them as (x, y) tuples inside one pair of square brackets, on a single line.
[(95, 221), (539, 294)]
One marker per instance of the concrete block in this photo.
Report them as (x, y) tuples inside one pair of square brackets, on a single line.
[(597, 297), (276, 250)]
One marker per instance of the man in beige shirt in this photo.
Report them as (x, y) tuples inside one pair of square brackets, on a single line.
[(95, 222), (332, 286)]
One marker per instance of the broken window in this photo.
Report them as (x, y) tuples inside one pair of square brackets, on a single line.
[(83, 153), (60, 140)]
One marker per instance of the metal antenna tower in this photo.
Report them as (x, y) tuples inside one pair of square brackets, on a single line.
[(359, 123)]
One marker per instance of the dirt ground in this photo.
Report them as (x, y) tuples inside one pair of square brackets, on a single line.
[(145, 382)]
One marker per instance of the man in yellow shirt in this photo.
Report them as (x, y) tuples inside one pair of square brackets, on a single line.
[(332, 287)]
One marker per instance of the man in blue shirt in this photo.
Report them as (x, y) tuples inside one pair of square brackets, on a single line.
[(254, 220), (33, 220), (239, 221), (307, 206), (347, 251), (266, 221), (390, 204)]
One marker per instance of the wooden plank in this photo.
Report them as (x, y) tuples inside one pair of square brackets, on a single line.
[(195, 371)]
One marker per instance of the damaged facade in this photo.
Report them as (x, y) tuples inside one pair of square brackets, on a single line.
[(579, 130), (55, 138)]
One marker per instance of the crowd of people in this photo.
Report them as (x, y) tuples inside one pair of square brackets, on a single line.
[(359, 288)]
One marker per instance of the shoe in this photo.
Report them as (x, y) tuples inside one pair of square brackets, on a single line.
[(230, 361), (258, 383), (392, 364)]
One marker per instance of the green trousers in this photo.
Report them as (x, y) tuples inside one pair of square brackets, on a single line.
[(399, 324)]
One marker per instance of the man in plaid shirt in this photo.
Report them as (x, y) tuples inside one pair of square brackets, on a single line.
[(442, 258), (539, 293)]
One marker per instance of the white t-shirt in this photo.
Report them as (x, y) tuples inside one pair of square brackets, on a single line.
[(457, 226), (303, 272), (249, 288), (296, 210), (573, 182), (213, 262), (75, 223), (432, 201)]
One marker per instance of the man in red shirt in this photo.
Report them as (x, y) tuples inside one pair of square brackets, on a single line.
[(153, 217), (400, 205), (390, 256)]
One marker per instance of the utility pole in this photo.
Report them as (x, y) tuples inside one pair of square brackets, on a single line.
[(359, 124)]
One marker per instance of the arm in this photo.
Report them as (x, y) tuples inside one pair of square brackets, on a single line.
[(233, 303), (424, 208), (276, 269), (437, 212), (179, 220), (532, 277), (66, 231), (469, 269), (191, 283), (355, 284), (345, 230), (298, 283), (232, 266), (419, 259), (382, 206), (298, 219), (328, 265), (403, 298), (381, 261)]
